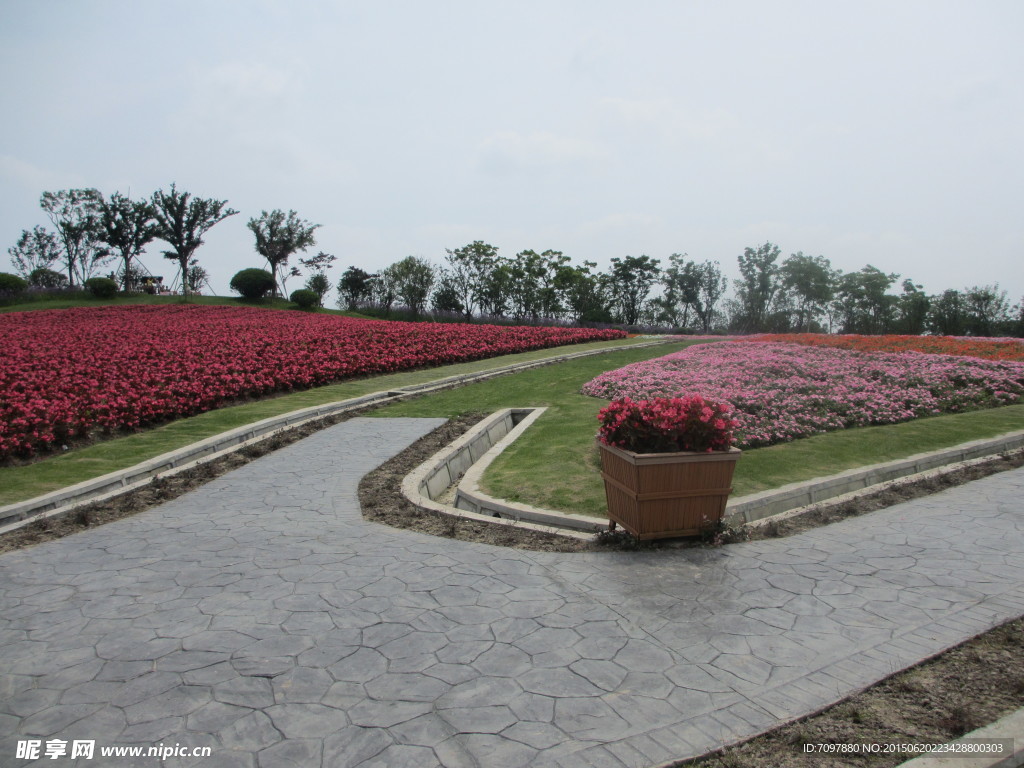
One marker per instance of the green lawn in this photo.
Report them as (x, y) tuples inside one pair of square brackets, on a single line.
[(555, 463), (23, 482)]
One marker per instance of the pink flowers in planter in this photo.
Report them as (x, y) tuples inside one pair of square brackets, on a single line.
[(781, 392), (667, 425), (69, 373)]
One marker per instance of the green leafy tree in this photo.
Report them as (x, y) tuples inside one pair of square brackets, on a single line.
[(681, 291), (810, 283), (759, 283), (912, 309), (319, 284), (446, 296), (354, 288), (632, 279), (412, 279), (73, 213), (383, 290), (469, 273), (582, 292), (496, 289), (279, 235), (318, 281), (197, 277), (711, 288), (126, 226), (986, 309), (862, 301), (182, 220), (947, 315), (37, 248)]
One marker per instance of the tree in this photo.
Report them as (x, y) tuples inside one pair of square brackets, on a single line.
[(126, 226), (810, 281), (73, 213), (197, 277), (582, 292), (912, 309), (862, 302), (382, 290), (354, 288), (182, 220), (681, 283), (412, 279), (759, 283), (446, 296), (317, 282), (631, 281), (946, 315), (496, 289), (711, 287), (279, 235), (469, 273), (987, 310), (37, 248)]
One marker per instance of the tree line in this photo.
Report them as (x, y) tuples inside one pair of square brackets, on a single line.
[(800, 293), (91, 232)]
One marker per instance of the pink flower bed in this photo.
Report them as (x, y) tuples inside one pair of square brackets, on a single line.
[(782, 392), (67, 373)]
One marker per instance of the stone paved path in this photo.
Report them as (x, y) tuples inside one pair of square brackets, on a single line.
[(262, 616)]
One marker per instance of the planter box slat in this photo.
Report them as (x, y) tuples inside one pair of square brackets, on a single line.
[(666, 494)]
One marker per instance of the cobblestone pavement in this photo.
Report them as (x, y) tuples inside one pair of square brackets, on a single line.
[(262, 616)]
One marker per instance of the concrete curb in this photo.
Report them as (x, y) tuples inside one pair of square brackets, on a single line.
[(427, 485), (122, 481), (470, 497), (1009, 728), (757, 506)]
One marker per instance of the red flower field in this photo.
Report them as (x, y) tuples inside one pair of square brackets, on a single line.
[(964, 346), (68, 373)]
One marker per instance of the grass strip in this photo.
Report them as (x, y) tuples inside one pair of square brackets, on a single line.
[(18, 483), (554, 465)]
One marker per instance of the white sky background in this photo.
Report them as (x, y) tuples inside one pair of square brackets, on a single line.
[(884, 133)]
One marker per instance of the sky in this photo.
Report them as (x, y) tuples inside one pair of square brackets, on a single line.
[(883, 133)]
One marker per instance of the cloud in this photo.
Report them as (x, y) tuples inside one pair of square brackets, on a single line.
[(510, 152)]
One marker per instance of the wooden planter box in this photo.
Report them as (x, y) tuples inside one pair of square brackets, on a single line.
[(658, 495)]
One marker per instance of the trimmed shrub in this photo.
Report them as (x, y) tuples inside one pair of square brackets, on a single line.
[(47, 278), (252, 283), (101, 287), (305, 298), (12, 283)]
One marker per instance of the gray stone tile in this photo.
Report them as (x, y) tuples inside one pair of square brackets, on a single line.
[(288, 631)]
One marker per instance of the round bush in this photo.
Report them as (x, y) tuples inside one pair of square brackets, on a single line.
[(101, 287), (11, 283), (252, 283), (47, 278), (305, 298)]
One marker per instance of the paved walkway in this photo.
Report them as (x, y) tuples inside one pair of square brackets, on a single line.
[(260, 615)]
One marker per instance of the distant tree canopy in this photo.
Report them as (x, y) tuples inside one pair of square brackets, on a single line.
[(802, 293)]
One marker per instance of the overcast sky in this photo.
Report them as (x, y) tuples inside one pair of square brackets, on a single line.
[(888, 133)]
